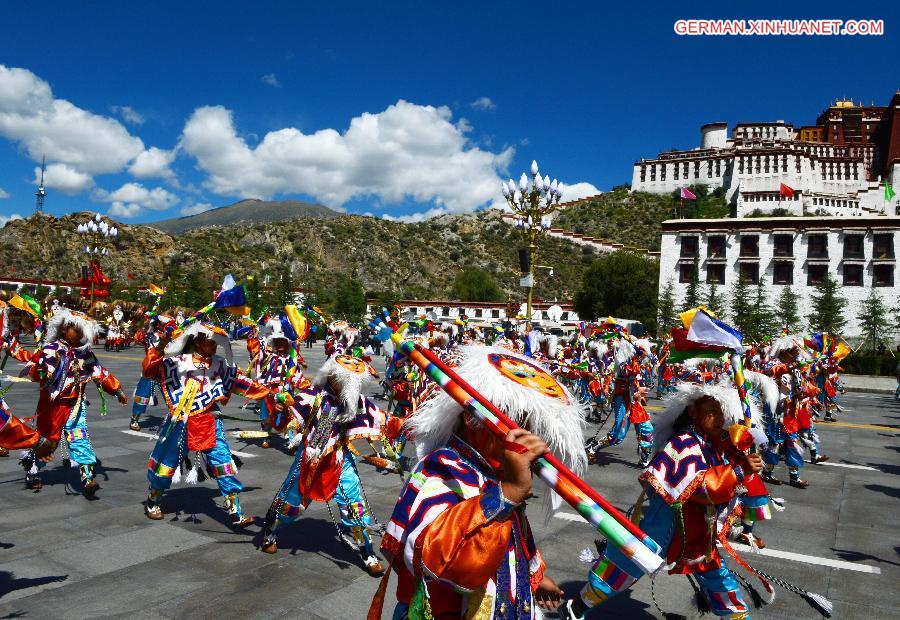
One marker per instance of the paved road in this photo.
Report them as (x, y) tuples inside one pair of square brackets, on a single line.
[(62, 556)]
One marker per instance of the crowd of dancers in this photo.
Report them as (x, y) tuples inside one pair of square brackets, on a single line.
[(458, 538)]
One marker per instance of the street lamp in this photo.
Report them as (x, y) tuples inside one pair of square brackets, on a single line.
[(96, 233), (532, 202)]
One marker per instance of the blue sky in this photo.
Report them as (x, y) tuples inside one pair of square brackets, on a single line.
[(151, 110)]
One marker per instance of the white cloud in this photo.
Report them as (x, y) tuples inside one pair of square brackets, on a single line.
[(194, 209), (3, 194), (484, 103), (43, 125), (407, 151), (8, 218), (577, 191), (132, 198), (153, 163), (271, 80), (64, 178), (128, 114)]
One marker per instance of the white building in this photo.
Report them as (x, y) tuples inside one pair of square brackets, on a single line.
[(839, 166), (786, 251)]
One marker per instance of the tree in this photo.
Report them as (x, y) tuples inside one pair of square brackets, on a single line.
[(621, 284), (284, 290), (474, 284), (873, 319), (762, 323), (197, 293), (714, 301), (349, 300), (787, 311), (740, 305), (828, 307), (254, 294), (693, 293), (666, 314)]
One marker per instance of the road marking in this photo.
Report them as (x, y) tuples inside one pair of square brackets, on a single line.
[(868, 427), (245, 455), (655, 407), (811, 559), (849, 466), (785, 555)]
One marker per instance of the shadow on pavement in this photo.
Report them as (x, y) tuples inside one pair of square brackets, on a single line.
[(8, 583), (856, 556)]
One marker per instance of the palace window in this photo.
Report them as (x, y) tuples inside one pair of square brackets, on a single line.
[(715, 246), (749, 272), (815, 274), (853, 246), (662, 172), (883, 275), (740, 165), (643, 173), (749, 246), (697, 169), (685, 272), (853, 275), (883, 245), (783, 273), (817, 246), (715, 274), (689, 247), (784, 245)]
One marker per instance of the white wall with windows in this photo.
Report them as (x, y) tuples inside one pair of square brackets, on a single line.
[(786, 252)]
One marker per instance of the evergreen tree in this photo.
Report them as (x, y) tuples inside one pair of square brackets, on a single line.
[(474, 284), (828, 307), (714, 301), (197, 293), (693, 293), (608, 289), (787, 311), (873, 319), (667, 315), (349, 300), (762, 322), (284, 290), (741, 305), (254, 295)]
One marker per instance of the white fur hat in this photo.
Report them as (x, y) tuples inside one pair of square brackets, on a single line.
[(64, 317), (531, 397), (177, 346), (689, 393), (351, 375), (272, 329)]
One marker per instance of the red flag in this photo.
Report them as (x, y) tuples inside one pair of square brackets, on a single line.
[(131, 276), (786, 191), (687, 194)]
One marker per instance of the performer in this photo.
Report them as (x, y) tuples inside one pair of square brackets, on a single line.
[(279, 366), (194, 381), (784, 429), (336, 413), (63, 367), (146, 388), (459, 538), (629, 397), (693, 483)]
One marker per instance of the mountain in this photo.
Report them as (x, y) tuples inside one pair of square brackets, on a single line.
[(250, 211), (419, 260)]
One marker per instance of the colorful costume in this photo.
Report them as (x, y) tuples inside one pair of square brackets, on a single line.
[(460, 549), (63, 372), (193, 387), (335, 413)]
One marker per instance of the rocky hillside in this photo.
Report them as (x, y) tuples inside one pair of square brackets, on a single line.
[(635, 219), (414, 260)]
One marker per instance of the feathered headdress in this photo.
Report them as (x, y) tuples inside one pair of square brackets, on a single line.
[(350, 375), (525, 392), (65, 317), (186, 337)]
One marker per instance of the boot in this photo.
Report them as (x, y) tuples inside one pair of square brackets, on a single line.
[(4, 451), (769, 477), (373, 566), (33, 482), (152, 509), (87, 478), (819, 458), (234, 510), (270, 539), (135, 425), (796, 481), (645, 456)]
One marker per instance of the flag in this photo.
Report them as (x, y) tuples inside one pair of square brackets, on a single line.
[(155, 290), (708, 331), (786, 190), (232, 297), (684, 348), (889, 191), (130, 276), (687, 194), (25, 303)]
